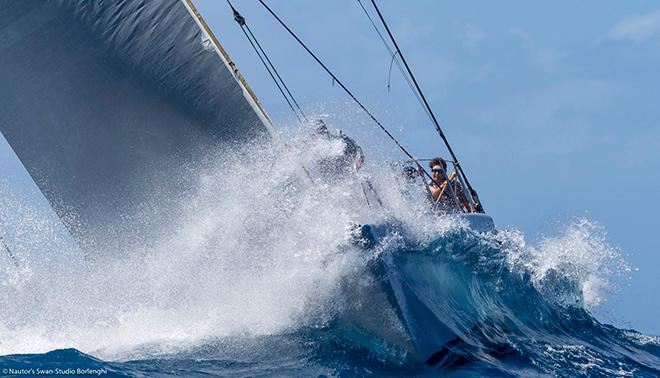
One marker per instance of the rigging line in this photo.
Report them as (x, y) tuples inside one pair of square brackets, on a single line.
[(286, 88), (389, 72), (341, 84), (241, 22), (276, 73), (309, 176), (428, 107), (273, 77), (394, 60)]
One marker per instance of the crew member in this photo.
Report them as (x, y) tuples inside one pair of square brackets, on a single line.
[(350, 159), (440, 190)]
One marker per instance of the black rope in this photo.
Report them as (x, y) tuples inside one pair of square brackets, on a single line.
[(241, 22), (393, 54), (350, 94), (286, 88), (389, 72), (341, 84), (272, 77), (479, 208), (268, 64)]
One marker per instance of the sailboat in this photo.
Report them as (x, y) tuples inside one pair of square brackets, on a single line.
[(107, 103)]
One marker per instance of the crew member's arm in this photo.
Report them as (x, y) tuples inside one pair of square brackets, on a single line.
[(435, 191)]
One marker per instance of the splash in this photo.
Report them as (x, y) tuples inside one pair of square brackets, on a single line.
[(258, 249), (576, 267)]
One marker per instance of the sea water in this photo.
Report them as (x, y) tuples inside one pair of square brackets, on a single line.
[(256, 274)]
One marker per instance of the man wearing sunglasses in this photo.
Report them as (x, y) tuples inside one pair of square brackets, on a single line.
[(441, 193)]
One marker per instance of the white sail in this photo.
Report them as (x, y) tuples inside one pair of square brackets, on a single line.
[(28, 225), (105, 101)]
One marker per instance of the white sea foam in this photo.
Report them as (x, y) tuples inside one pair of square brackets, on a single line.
[(577, 266), (255, 250)]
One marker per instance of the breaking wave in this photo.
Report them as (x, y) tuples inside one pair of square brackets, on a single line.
[(256, 269)]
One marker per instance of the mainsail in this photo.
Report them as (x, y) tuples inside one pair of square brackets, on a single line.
[(106, 103)]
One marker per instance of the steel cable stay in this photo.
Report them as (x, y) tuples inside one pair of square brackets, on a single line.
[(474, 201), (335, 79), (393, 55), (473, 193), (241, 22), (268, 64)]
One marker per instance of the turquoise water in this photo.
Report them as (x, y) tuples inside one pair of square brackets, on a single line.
[(263, 281), (525, 328)]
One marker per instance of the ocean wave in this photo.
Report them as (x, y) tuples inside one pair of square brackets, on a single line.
[(258, 256)]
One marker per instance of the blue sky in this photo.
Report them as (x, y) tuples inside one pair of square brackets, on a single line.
[(552, 106)]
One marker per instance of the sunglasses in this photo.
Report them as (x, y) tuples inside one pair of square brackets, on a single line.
[(437, 170)]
